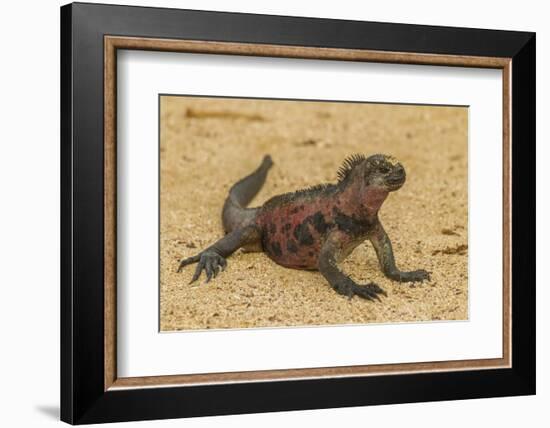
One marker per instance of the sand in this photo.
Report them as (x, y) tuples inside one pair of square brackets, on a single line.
[(207, 144)]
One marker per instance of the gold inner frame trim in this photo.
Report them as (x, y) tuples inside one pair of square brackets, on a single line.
[(112, 43)]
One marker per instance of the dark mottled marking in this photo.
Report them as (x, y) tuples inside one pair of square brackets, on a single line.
[(272, 228), (311, 254), (303, 235), (318, 220), (344, 222), (351, 225), (294, 210), (287, 227), (291, 246), (302, 207), (276, 248)]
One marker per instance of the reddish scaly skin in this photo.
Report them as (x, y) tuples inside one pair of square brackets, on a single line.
[(293, 233)]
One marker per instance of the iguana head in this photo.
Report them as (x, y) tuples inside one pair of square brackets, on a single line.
[(385, 172), (378, 171)]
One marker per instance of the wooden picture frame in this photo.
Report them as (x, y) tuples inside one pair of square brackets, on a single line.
[(91, 391)]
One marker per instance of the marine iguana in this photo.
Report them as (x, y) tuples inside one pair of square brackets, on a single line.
[(313, 228)]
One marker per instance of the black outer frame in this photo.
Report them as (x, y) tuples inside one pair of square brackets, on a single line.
[(83, 399)]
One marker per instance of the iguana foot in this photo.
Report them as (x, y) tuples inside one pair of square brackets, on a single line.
[(209, 261), (413, 276), (368, 291)]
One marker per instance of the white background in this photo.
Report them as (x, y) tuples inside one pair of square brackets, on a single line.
[(29, 220), (142, 351)]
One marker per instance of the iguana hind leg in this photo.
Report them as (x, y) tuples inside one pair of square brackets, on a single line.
[(234, 213), (212, 259)]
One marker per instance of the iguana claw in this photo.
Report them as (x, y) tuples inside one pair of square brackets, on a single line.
[(209, 261)]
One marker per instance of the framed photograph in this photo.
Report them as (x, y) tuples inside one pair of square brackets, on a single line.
[(265, 213)]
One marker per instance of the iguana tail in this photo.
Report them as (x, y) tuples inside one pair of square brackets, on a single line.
[(234, 212)]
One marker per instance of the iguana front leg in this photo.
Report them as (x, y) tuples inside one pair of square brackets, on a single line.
[(212, 259), (342, 283), (382, 245)]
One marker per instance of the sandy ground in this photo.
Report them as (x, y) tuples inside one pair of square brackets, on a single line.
[(208, 144)]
